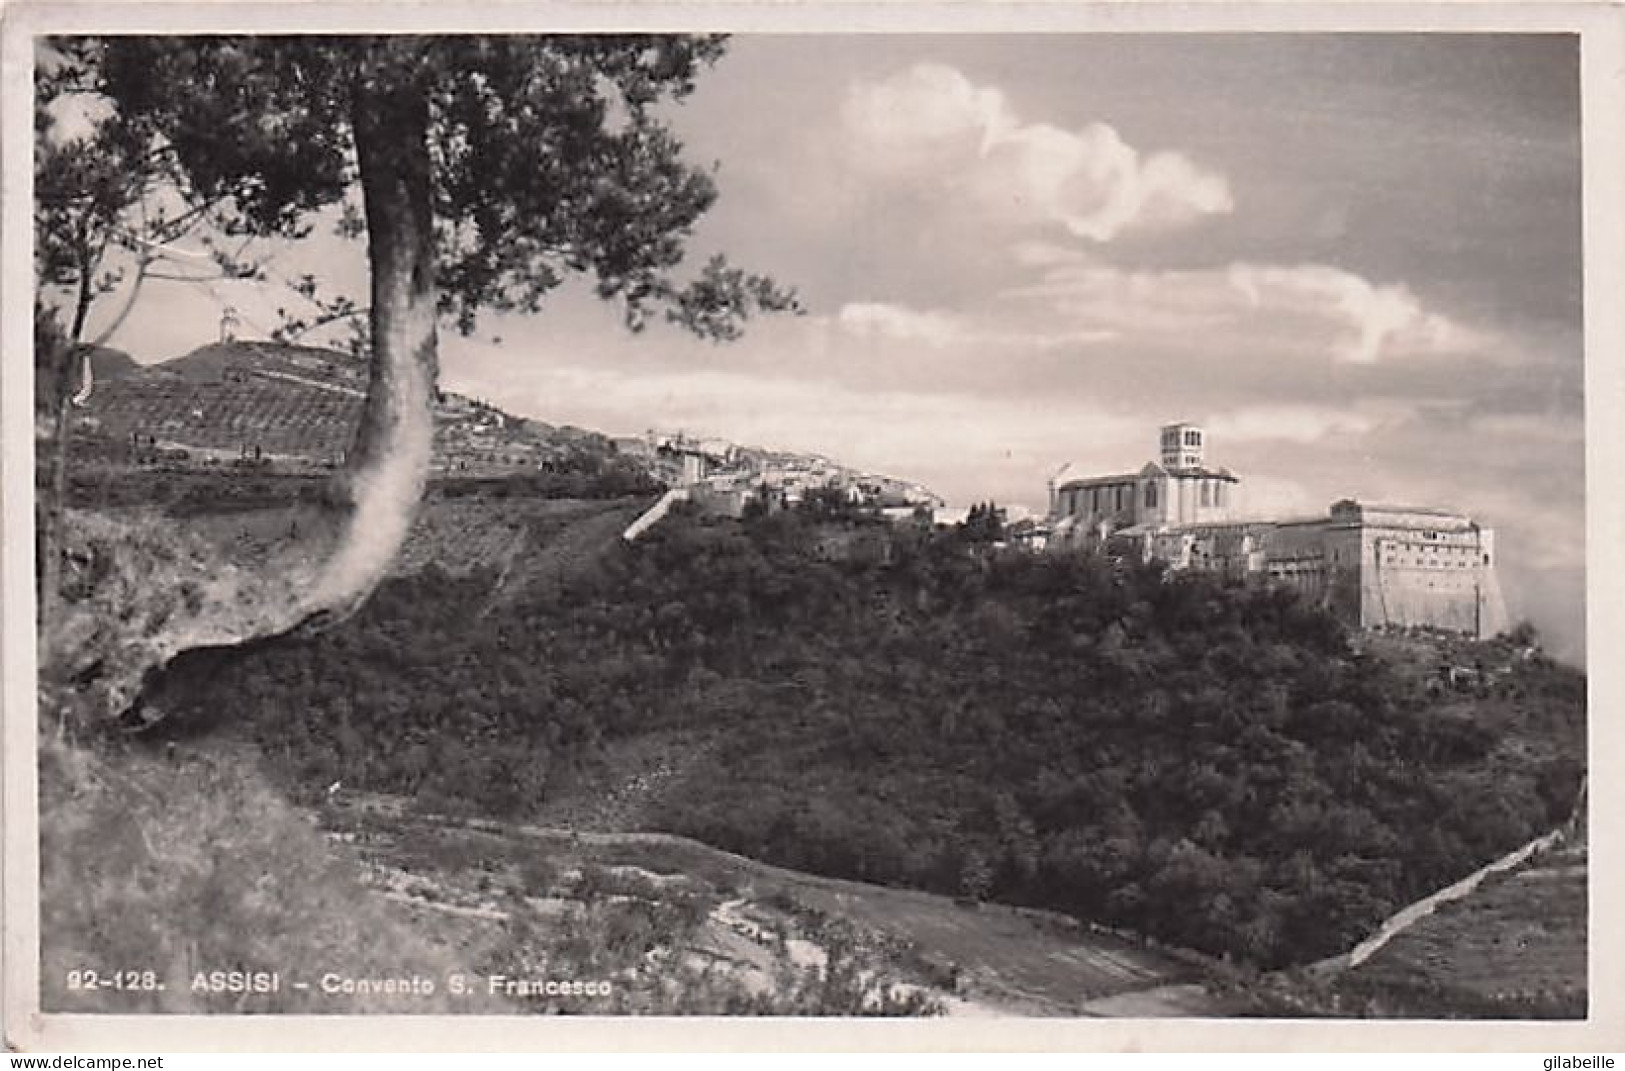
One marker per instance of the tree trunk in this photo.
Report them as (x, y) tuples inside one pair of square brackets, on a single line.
[(49, 531), (198, 601), (388, 463)]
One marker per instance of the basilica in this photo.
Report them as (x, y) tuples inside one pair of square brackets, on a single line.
[(1372, 565)]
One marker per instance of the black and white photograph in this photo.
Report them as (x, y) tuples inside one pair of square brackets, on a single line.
[(804, 522)]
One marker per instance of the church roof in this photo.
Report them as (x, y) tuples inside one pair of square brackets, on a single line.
[(1151, 468), (1426, 511), (1086, 481)]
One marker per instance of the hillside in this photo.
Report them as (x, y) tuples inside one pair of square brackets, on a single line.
[(938, 722), (358, 907), (1211, 765), (297, 407), (1515, 948), (108, 364), (293, 410), (125, 837)]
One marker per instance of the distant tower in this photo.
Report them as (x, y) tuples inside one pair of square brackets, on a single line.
[(1182, 446), (228, 325)]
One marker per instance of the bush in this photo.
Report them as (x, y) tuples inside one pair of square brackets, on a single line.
[(194, 866)]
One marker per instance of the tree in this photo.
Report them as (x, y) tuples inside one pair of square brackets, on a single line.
[(108, 209), (983, 524), (489, 168)]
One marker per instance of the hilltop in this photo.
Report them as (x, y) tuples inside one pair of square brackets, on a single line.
[(292, 410), (296, 407)]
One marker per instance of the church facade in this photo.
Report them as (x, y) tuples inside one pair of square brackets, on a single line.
[(1372, 565), (1179, 489)]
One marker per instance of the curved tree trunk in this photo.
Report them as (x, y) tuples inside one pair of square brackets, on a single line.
[(190, 598), (388, 464)]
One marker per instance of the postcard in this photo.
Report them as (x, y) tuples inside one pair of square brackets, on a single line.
[(812, 526)]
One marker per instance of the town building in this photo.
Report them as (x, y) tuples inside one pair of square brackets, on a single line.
[(1180, 489), (1372, 565), (721, 477)]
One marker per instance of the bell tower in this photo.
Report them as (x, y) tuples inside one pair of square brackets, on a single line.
[(1182, 446)]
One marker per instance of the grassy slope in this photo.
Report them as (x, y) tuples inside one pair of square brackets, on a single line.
[(1516, 947), (187, 861), (195, 863)]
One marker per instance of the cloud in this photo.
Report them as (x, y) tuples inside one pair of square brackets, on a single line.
[(882, 322), (888, 321), (927, 107), (1289, 423), (1302, 311), (1036, 254), (1379, 321), (1527, 428), (931, 123), (1277, 497)]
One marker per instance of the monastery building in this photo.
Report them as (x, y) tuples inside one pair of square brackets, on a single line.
[(1372, 565)]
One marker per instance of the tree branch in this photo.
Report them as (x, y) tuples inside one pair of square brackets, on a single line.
[(302, 328)]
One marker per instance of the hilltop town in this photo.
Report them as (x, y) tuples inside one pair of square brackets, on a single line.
[(1373, 565), (243, 405)]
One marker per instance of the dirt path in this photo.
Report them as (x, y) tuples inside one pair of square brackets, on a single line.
[(1012, 960), (1160, 1002)]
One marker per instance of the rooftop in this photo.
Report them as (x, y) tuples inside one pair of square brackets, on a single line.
[(1426, 511), (1151, 469)]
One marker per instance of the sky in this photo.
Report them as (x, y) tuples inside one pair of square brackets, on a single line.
[(1355, 259)]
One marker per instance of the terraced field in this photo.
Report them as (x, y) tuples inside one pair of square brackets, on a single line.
[(297, 406), (282, 418)]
